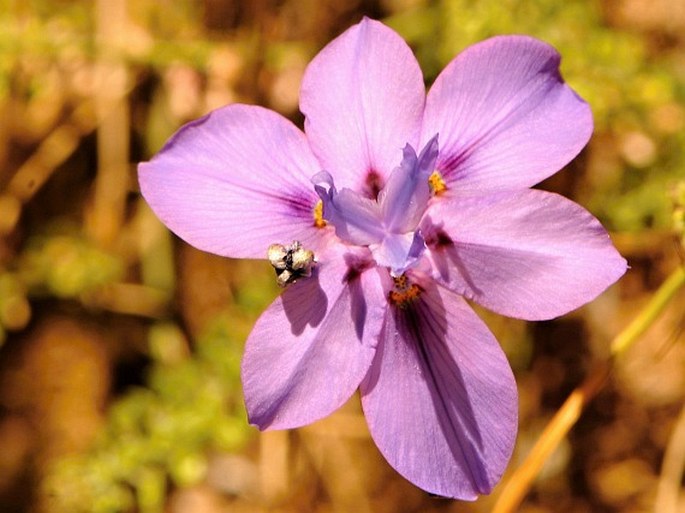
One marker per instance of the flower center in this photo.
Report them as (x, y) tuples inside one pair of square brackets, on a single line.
[(403, 292), (437, 184), (388, 225), (319, 221)]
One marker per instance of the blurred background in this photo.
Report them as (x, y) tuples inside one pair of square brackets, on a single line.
[(119, 363)]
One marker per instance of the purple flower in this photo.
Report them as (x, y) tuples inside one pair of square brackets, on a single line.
[(390, 209)]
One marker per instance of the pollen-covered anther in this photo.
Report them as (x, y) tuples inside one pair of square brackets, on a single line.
[(291, 262), (403, 292), (436, 183), (319, 221)]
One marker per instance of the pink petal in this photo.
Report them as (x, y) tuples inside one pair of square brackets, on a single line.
[(234, 182), (310, 349), (440, 398), (363, 98), (505, 117), (529, 254)]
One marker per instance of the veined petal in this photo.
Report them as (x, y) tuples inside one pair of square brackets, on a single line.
[(505, 116), (234, 182), (311, 348), (440, 398), (529, 254), (363, 98)]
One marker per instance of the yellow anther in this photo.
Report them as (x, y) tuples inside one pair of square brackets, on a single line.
[(319, 221), (437, 184), (404, 293)]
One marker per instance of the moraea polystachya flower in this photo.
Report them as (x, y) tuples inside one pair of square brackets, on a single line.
[(392, 207)]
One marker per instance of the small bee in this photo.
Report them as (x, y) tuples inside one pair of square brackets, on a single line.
[(290, 262)]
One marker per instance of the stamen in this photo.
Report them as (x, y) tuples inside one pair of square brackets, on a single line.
[(437, 184), (290, 262), (373, 184), (403, 293), (319, 221)]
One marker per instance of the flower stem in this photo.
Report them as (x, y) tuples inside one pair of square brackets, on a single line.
[(522, 479), (649, 314), (672, 467)]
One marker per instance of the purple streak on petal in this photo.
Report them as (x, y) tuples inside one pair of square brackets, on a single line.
[(363, 98), (310, 349), (506, 118), (529, 254), (440, 397), (404, 198), (356, 219), (234, 182)]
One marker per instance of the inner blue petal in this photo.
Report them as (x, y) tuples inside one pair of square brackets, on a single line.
[(404, 198), (399, 252), (388, 225), (356, 219)]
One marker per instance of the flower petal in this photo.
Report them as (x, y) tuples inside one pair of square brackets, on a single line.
[(529, 254), (505, 117), (363, 98), (404, 198), (356, 218), (399, 252), (310, 349), (234, 182), (440, 397)]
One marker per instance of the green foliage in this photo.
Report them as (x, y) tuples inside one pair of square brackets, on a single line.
[(679, 212), (35, 35), (192, 405), (66, 266)]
